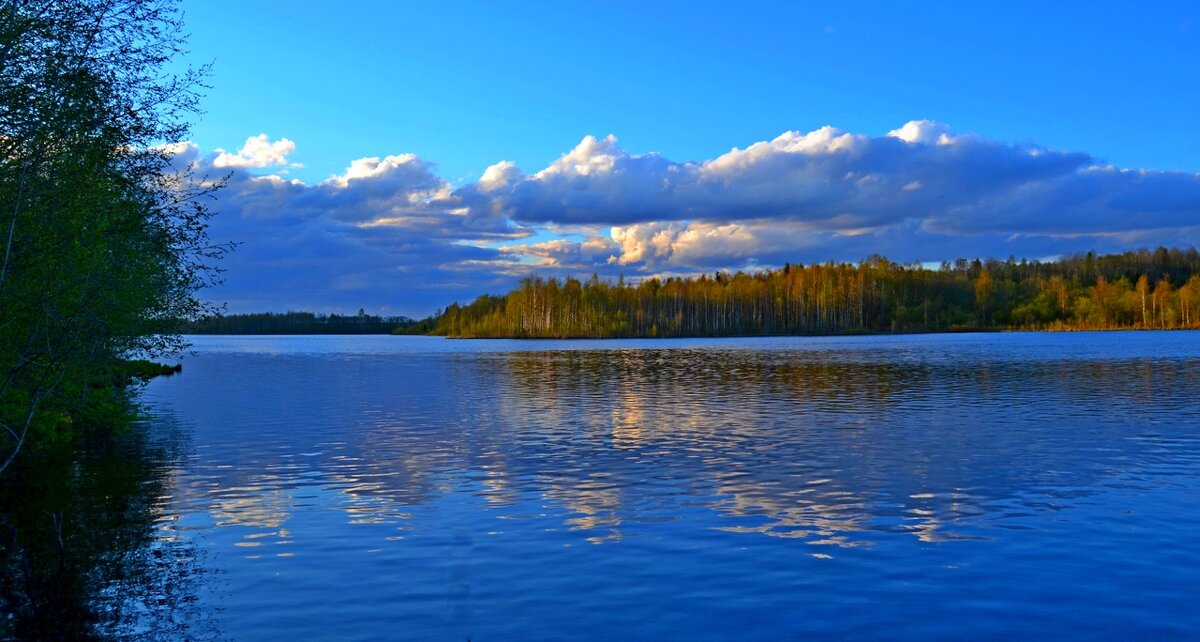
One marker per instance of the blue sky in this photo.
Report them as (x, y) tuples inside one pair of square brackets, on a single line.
[(1032, 99)]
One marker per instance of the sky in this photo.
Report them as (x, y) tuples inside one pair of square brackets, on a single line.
[(398, 156)]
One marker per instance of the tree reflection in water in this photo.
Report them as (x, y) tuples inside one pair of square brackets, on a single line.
[(86, 550), (781, 441)]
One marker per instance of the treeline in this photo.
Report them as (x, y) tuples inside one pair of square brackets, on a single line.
[(1139, 289), (299, 323)]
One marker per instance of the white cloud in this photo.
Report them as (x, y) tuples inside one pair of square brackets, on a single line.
[(372, 167), (819, 176), (645, 242), (697, 245), (590, 156), (924, 132), (258, 151), (499, 176), (838, 182), (389, 230), (386, 234)]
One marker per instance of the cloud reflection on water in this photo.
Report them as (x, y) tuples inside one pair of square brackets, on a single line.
[(835, 448)]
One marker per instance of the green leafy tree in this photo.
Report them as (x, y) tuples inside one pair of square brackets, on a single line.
[(104, 241)]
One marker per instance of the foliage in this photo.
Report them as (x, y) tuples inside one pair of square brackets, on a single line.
[(298, 323), (103, 241), (424, 326), (1081, 291)]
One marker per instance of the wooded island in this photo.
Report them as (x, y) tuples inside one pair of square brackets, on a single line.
[(1138, 289)]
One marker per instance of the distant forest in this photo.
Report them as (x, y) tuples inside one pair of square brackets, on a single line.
[(1140, 289), (299, 323)]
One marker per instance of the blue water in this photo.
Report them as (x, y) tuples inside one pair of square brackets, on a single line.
[(950, 486)]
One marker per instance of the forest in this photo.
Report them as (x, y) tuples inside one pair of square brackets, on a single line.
[(299, 323), (1157, 289)]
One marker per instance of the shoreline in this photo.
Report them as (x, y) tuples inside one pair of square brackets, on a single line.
[(701, 336), (827, 335)]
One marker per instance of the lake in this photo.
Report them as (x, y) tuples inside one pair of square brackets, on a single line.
[(954, 486)]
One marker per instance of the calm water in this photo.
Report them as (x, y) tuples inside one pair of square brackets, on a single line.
[(992, 485)]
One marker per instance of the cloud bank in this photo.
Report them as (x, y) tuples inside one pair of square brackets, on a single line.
[(391, 235)]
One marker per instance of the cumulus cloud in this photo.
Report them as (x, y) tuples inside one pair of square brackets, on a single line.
[(390, 229), (386, 233), (499, 176), (707, 244), (921, 184), (925, 132), (593, 252), (258, 151), (826, 177)]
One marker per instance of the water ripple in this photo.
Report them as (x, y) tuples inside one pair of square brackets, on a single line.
[(688, 488)]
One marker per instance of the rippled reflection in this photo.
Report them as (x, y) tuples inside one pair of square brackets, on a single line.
[(822, 445), (441, 459), (89, 549)]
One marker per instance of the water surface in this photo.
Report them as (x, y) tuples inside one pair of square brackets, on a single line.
[(984, 485)]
